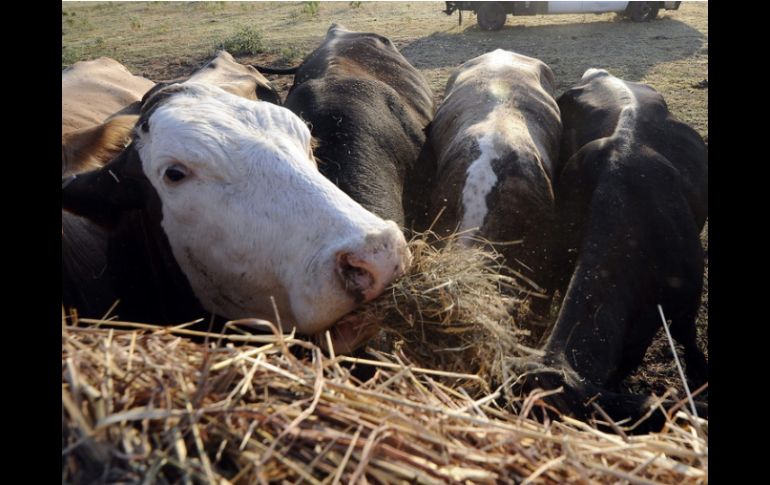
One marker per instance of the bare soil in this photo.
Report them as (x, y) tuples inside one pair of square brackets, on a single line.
[(165, 40)]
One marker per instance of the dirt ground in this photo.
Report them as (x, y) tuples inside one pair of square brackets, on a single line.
[(164, 40)]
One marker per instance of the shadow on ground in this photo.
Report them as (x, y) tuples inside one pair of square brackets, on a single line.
[(627, 49)]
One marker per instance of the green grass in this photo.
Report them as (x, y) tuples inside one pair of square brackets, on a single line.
[(311, 8), (91, 50), (290, 54), (248, 40)]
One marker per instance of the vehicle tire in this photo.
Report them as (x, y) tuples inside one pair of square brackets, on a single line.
[(642, 11), (491, 16)]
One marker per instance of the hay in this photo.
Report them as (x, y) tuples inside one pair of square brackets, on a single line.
[(454, 310), (142, 404)]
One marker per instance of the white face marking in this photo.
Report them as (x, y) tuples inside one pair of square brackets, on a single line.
[(253, 217)]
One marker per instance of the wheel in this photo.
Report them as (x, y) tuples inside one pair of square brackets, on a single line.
[(642, 11), (491, 16)]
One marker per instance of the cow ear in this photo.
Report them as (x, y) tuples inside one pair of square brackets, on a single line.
[(547, 78), (102, 195), (92, 147)]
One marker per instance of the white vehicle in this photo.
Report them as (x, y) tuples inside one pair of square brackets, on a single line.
[(491, 15)]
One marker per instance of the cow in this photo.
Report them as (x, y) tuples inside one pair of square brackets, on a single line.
[(236, 78), (495, 138), (631, 198), (101, 100), (367, 107), (217, 205), (100, 104)]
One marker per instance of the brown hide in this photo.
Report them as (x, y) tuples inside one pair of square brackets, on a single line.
[(100, 102)]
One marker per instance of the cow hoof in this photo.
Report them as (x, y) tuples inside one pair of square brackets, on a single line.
[(566, 393)]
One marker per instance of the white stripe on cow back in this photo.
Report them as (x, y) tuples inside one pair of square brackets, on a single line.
[(625, 100), (627, 116), (496, 136), (479, 182)]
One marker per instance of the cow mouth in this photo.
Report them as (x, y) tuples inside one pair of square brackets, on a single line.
[(350, 333)]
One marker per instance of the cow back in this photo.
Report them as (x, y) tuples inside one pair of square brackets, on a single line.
[(496, 140), (367, 108), (92, 91), (239, 79)]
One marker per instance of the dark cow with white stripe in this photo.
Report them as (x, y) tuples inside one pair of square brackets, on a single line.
[(367, 108), (218, 205), (632, 198), (496, 141)]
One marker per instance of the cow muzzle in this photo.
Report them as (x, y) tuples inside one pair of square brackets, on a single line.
[(366, 271)]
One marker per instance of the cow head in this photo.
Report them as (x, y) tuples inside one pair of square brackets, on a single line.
[(339, 32), (245, 210), (239, 79)]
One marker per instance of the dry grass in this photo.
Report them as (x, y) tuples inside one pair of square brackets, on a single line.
[(143, 403), (147, 404), (453, 310)]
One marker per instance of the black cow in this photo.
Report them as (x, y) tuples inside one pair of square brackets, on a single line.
[(367, 107), (632, 198)]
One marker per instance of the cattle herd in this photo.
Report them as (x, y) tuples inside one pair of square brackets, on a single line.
[(212, 195)]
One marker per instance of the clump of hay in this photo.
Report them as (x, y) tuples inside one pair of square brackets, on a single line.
[(143, 403), (454, 310)]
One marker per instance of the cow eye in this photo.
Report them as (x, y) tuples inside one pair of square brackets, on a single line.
[(175, 173)]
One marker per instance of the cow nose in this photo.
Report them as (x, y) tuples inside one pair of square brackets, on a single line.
[(366, 271)]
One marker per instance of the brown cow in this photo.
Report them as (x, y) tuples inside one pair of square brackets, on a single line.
[(100, 104), (244, 81)]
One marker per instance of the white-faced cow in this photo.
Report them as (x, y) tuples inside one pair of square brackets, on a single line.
[(632, 198), (101, 101), (100, 105), (367, 107), (218, 204), (496, 141)]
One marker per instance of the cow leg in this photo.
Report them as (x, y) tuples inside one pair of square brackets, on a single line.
[(633, 355), (684, 332), (681, 300), (583, 400)]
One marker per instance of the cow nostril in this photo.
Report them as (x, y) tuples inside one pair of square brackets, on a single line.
[(356, 276)]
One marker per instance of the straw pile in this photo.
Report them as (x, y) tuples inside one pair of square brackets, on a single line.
[(143, 403), (449, 312), (146, 404)]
